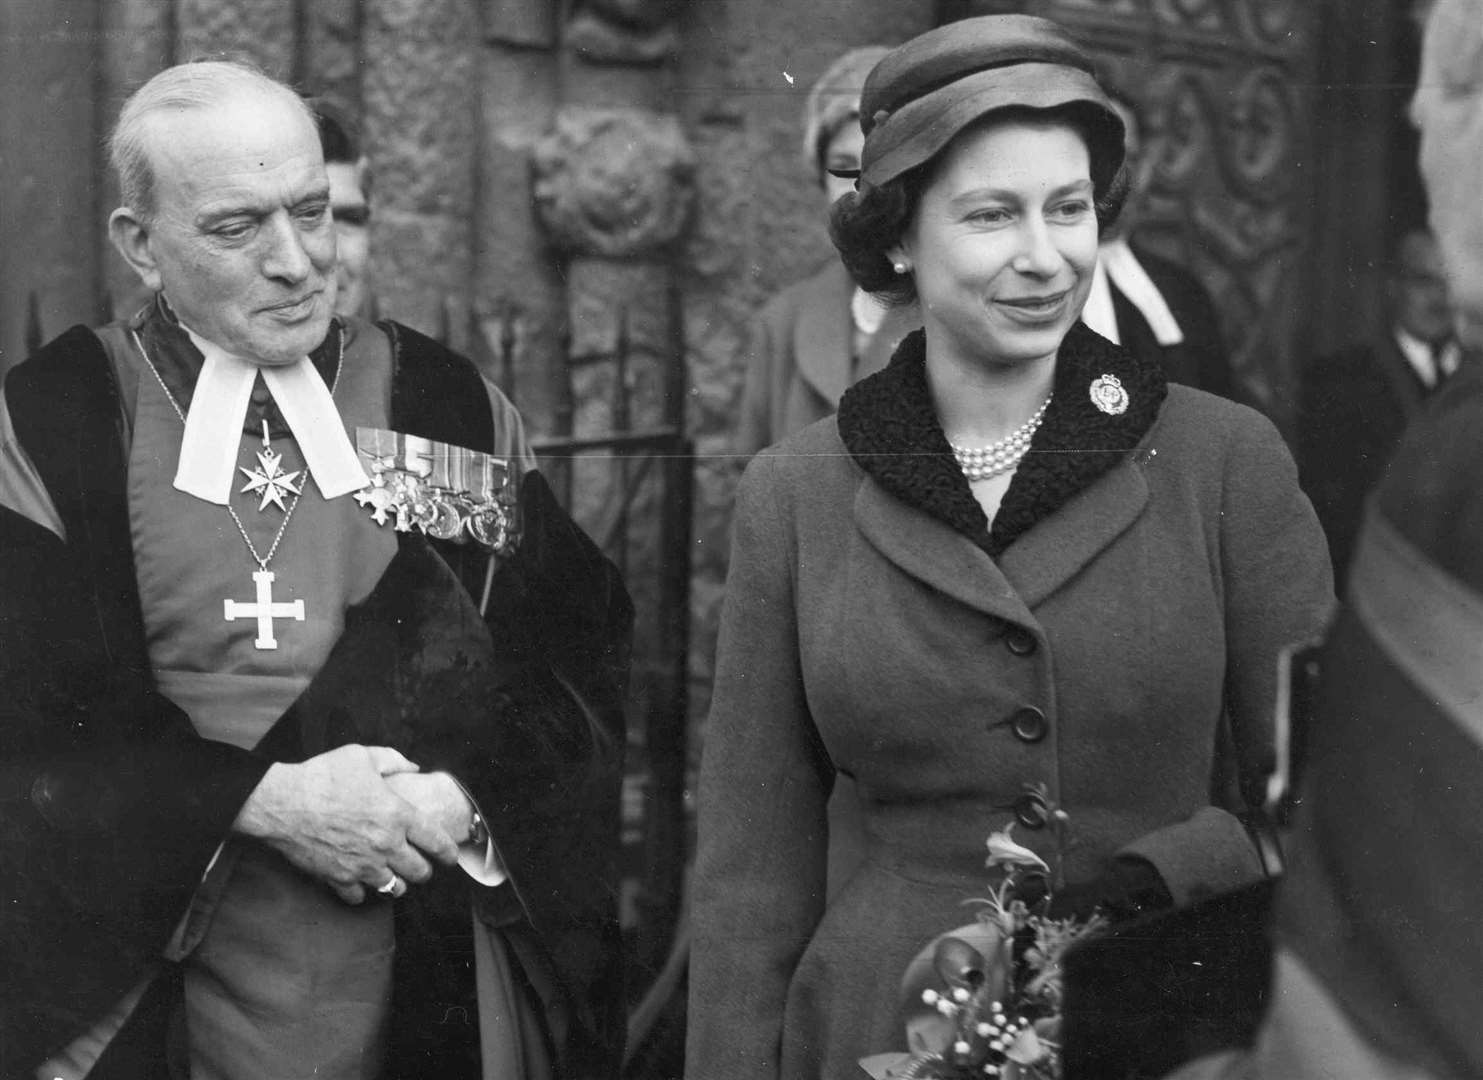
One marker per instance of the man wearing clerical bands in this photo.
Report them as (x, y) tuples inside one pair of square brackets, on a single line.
[(310, 692)]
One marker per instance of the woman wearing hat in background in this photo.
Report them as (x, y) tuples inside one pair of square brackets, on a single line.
[(978, 634), (818, 336)]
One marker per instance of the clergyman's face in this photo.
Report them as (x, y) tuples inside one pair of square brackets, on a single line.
[(241, 241), (352, 213)]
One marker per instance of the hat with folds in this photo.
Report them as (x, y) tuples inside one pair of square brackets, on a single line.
[(927, 90)]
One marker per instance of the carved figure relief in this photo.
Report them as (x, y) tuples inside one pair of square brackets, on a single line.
[(1274, 20), (614, 181), (624, 31), (1194, 10), (1257, 152)]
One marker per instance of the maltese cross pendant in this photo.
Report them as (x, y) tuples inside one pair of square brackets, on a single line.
[(268, 479)]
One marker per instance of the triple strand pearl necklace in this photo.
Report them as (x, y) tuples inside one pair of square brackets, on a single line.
[(984, 462)]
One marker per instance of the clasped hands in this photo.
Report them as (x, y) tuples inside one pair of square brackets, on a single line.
[(353, 816)]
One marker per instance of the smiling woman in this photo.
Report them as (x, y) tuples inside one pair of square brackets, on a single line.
[(1019, 578), (1004, 242), (995, 235)]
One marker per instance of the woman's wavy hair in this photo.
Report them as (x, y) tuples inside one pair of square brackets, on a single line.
[(864, 225)]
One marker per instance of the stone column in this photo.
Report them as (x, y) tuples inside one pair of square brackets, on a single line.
[(520, 305), (615, 190), (328, 56), (264, 31), (137, 41), (48, 182), (421, 97)]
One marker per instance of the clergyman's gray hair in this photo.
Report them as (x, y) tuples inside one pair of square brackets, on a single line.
[(201, 84)]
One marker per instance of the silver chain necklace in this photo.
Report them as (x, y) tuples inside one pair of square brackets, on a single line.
[(264, 609)]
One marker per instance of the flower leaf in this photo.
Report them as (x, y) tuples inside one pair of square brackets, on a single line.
[(885, 1066)]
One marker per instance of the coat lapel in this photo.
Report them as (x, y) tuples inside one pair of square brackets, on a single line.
[(1078, 490), (1049, 555), (936, 554), (821, 336)]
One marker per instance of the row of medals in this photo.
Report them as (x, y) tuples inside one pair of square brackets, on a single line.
[(447, 492)]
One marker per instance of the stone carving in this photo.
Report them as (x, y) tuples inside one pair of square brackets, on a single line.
[(529, 23), (1127, 13), (1178, 130), (614, 182), (1275, 21), (1259, 123), (1204, 13), (624, 31)]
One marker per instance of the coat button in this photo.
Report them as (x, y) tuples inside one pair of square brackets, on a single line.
[(1031, 810), (1020, 641), (1029, 724)]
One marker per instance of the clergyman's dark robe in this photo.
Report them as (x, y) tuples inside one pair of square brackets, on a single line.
[(112, 805)]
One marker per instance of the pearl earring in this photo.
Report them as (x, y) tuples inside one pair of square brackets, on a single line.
[(899, 267)]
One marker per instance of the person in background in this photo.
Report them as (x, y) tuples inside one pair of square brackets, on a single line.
[(1377, 970), (349, 172), (306, 768), (1019, 577), (1355, 404), (812, 340), (1146, 303)]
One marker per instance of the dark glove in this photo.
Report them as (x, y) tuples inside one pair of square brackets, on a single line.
[(1128, 887)]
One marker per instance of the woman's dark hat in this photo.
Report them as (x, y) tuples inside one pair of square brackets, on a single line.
[(926, 91)]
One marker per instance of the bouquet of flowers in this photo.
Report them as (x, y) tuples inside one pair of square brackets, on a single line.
[(984, 1000)]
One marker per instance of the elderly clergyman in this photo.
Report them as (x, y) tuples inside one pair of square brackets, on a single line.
[(310, 693)]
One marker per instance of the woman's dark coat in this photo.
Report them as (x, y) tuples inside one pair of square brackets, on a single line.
[(1069, 667)]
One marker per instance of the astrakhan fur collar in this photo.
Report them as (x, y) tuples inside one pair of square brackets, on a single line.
[(890, 427)]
